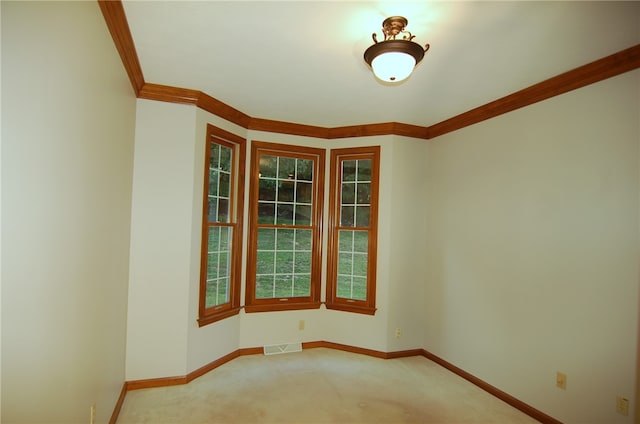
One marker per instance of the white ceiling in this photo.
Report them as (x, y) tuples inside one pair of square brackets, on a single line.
[(303, 61)]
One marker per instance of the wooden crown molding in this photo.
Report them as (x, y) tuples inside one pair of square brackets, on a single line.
[(607, 67), (116, 20)]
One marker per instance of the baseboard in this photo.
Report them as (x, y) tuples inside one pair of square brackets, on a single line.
[(516, 403), (118, 407), (173, 381)]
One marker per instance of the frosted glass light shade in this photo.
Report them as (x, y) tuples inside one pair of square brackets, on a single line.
[(393, 66)]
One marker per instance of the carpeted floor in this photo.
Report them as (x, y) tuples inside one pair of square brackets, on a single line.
[(320, 386)]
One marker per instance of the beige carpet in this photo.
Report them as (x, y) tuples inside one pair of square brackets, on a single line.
[(320, 386)]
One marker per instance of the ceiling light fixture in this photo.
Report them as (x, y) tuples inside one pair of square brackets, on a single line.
[(393, 59)]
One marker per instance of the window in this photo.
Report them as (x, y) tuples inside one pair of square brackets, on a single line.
[(285, 218), (221, 250), (353, 229)]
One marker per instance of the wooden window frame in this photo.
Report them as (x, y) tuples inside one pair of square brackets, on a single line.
[(252, 304), (236, 213), (333, 301)]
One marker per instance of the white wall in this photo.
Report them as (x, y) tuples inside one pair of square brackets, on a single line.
[(533, 250), (67, 138), (408, 207), (161, 215)]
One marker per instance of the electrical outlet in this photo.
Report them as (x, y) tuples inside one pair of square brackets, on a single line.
[(398, 333), (622, 406), (93, 414), (561, 380), (301, 325)]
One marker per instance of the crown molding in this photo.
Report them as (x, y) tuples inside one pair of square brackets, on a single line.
[(607, 67), (116, 20)]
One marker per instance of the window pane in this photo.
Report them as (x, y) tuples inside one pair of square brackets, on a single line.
[(303, 192), (218, 266), (267, 189), (344, 286), (364, 170), (285, 214), (285, 239), (283, 286), (347, 216), (264, 286), (304, 170), (349, 170), (225, 184), (345, 263), (223, 210), (212, 209), (287, 168), (362, 216), (364, 193), (214, 160), (224, 236), (360, 264), (303, 240), (302, 263), (217, 292), (265, 262), (266, 213), (303, 215), (348, 193), (359, 288), (352, 264), (266, 239), (268, 166), (352, 287), (285, 191), (302, 285), (225, 159), (284, 262), (213, 182)]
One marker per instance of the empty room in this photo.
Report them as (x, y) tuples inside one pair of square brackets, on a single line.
[(319, 211)]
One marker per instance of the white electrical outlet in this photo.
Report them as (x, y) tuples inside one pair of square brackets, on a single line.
[(398, 333), (301, 325)]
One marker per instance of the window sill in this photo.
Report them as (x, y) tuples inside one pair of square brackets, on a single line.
[(358, 309), (270, 307), (217, 316)]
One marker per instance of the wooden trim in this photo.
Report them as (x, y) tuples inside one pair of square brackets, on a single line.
[(213, 365), (223, 110), (166, 93), (345, 348), (494, 391), (516, 403), (388, 128), (118, 406), (116, 20), (607, 67), (268, 125), (156, 382)]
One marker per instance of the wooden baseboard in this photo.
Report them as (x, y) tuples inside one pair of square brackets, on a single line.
[(119, 402), (516, 403), (173, 381)]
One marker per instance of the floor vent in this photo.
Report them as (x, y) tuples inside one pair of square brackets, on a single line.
[(282, 348)]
